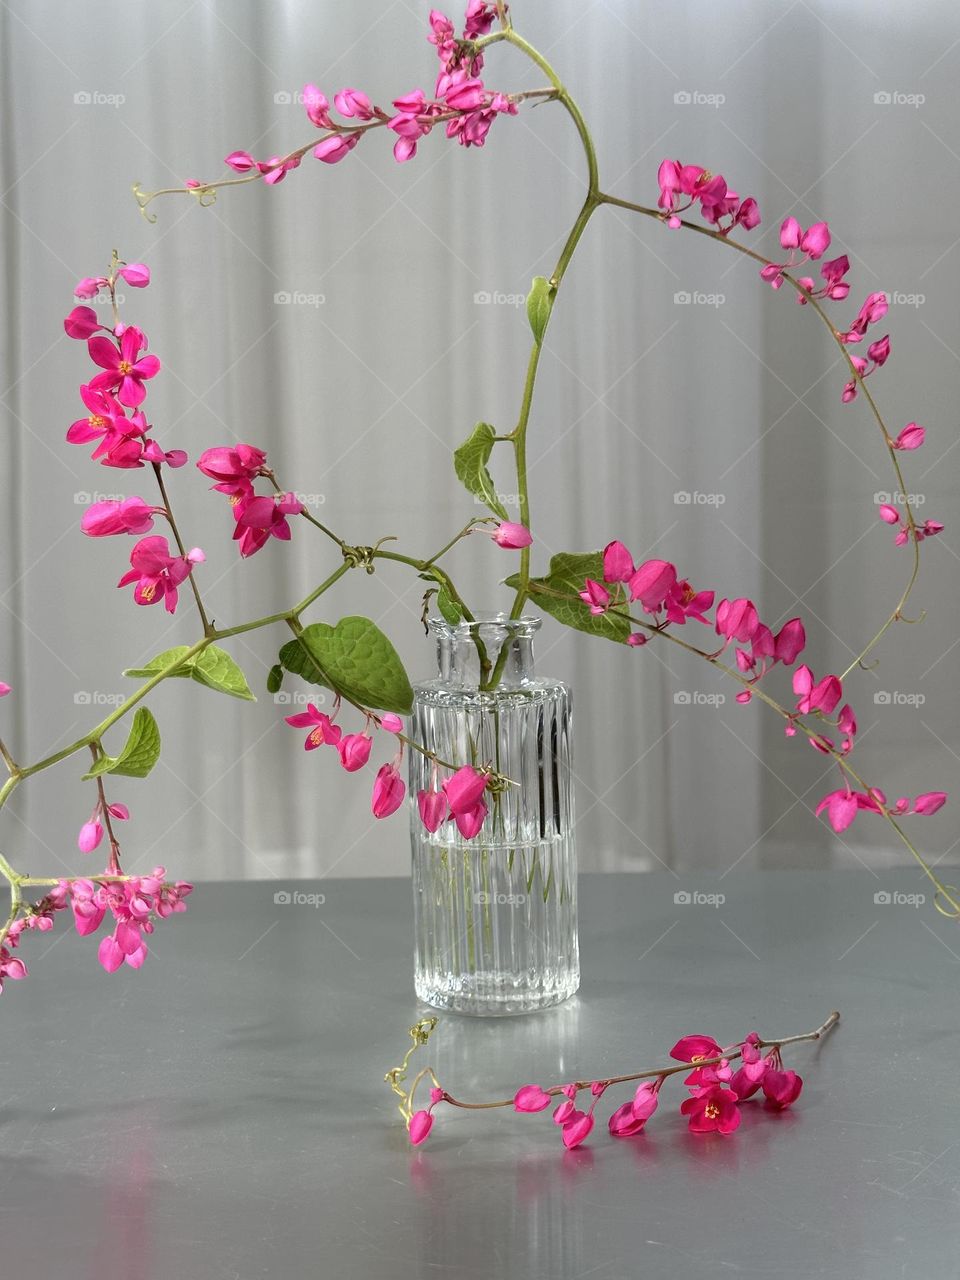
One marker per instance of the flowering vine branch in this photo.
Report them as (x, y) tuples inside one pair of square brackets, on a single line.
[(715, 1088), (591, 592)]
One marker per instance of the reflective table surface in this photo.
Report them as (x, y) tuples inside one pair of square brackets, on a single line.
[(222, 1115)]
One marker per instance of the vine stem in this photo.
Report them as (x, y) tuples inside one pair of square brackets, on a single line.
[(651, 1073), (181, 546)]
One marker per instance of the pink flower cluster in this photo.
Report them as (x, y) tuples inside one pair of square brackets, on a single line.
[(890, 515), (715, 1089), (258, 517), (124, 441), (354, 751), (134, 904), (682, 186), (459, 799), (460, 99)]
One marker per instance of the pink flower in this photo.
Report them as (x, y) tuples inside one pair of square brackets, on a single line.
[(233, 467), (391, 723), (126, 370), (130, 515), (4, 689), (333, 149), (712, 1109), (354, 749), (911, 437), (596, 596), (737, 620), (157, 573), (512, 536), (822, 697), (652, 583), (82, 322), (90, 286), (746, 1081), (388, 791), (136, 274), (433, 809), (576, 1128), (841, 806), (632, 1116), (930, 802), (276, 168), (259, 519), (419, 1126), (465, 789), (781, 1087), (317, 107), (471, 820), (618, 563), (695, 1049), (789, 642), (91, 833), (888, 514), (531, 1098), (322, 729), (353, 104), (240, 161)]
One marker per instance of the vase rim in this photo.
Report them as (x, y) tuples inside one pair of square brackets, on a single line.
[(520, 628)]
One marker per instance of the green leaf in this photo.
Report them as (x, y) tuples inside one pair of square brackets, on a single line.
[(274, 678), (470, 463), (539, 305), (354, 658), (568, 570), (212, 667), (140, 753), (449, 609), (161, 661)]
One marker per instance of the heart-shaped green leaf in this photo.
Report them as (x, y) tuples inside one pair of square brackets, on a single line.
[(568, 571), (212, 667), (470, 463), (354, 658), (539, 305), (140, 753)]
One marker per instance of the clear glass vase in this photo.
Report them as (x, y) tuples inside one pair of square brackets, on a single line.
[(495, 915)]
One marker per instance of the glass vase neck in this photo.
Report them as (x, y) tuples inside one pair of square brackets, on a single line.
[(468, 653)]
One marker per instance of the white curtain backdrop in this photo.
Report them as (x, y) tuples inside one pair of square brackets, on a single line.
[(361, 398)]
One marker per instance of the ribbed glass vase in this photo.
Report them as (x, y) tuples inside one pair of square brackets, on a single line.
[(495, 915)]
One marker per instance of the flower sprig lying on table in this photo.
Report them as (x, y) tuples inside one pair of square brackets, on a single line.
[(716, 1090)]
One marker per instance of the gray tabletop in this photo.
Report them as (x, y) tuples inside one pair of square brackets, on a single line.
[(222, 1115)]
